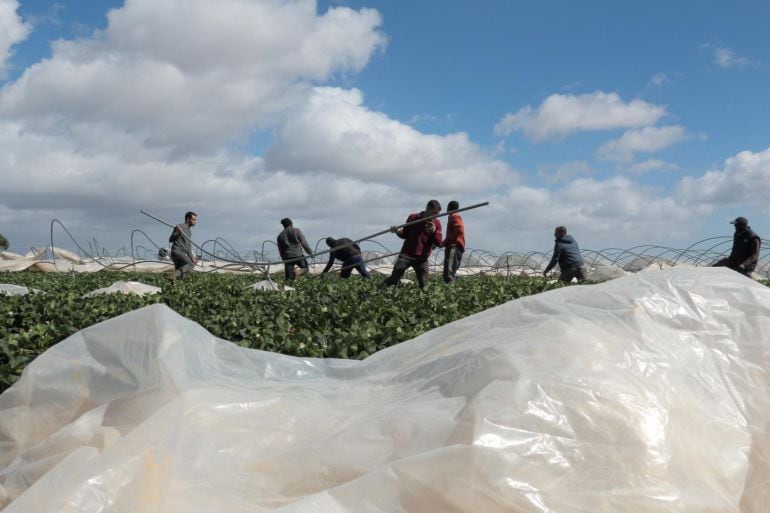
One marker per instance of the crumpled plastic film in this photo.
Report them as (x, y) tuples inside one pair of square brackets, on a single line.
[(649, 393)]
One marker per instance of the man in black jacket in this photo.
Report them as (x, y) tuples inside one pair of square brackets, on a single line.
[(347, 252), (745, 253), (567, 253)]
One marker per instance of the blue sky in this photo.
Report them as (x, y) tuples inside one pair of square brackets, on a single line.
[(640, 123)]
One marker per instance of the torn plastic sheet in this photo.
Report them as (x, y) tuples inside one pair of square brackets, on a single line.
[(649, 393)]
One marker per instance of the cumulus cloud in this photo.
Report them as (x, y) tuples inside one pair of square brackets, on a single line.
[(12, 31), (561, 115), (745, 181), (335, 132), (616, 212), (648, 140), (100, 194), (190, 74)]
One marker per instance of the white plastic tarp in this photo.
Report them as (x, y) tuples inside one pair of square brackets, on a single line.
[(125, 287), (646, 394)]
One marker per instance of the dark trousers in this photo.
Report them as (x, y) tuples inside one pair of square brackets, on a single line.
[(288, 268), (453, 257), (572, 272), (419, 264), (183, 265), (357, 263), (725, 262)]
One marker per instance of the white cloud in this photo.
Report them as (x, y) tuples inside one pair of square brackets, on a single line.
[(648, 140), (726, 58), (617, 212), (744, 181), (12, 31), (652, 165), (191, 74), (334, 132), (561, 115)]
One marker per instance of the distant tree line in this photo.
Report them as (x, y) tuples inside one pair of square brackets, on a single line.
[(3, 243)]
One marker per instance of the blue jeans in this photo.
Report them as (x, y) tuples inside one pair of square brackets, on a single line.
[(357, 263)]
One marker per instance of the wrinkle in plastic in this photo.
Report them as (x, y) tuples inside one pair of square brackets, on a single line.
[(645, 394)]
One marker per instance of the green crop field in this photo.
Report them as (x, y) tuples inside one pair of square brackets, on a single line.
[(322, 317)]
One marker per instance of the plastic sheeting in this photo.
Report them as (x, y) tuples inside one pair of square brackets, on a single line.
[(126, 287), (16, 290), (649, 393), (270, 285)]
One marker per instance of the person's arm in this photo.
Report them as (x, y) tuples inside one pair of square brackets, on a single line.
[(279, 243), (754, 257), (456, 227), (329, 263), (459, 227), (554, 258), (437, 235), (303, 242), (174, 235), (401, 232)]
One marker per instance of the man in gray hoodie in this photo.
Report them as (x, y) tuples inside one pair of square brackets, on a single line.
[(291, 242), (567, 253)]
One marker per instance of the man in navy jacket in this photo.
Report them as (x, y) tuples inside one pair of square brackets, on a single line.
[(567, 253)]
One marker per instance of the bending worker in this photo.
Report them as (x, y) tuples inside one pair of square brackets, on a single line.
[(567, 253), (349, 253)]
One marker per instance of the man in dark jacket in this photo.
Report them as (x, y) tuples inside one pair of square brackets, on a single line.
[(181, 247), (347, 252), (291, 242), (745, 253), (567, 253), (419, 240)]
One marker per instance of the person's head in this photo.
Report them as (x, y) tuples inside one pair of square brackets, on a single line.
[(741, 223), (452, 205), (191, 218), (286, 222), (331, 241), (559, 232), (433, 207)]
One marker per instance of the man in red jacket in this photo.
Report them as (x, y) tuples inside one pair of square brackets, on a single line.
[(454, 243), (419, 240)]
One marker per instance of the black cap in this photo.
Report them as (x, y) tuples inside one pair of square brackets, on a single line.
[(740, 220)]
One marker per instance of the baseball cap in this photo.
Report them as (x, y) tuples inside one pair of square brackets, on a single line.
[(740, 220)]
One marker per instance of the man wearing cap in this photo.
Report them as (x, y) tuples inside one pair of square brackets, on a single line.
[(745, 253), (347, 252), (291, 242)]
